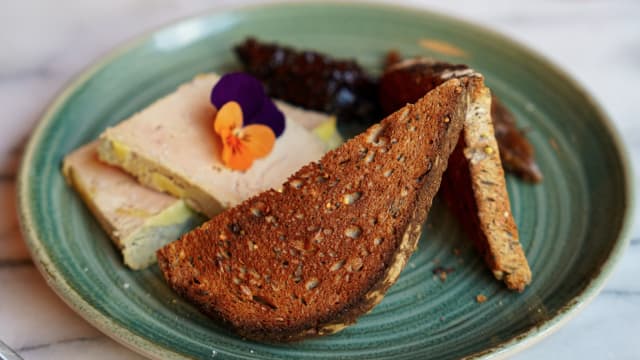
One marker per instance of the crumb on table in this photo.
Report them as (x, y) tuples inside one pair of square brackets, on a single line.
[(480, 298)]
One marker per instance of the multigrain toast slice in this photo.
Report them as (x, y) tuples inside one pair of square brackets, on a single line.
[(474, 183), (309, 260), (475, 189)]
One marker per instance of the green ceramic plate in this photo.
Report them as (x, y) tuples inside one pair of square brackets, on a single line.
[(572, 226)]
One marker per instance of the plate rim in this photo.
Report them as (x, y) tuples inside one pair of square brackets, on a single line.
[(123, 335)]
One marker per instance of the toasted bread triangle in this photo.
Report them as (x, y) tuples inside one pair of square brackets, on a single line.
[(309, 259), (475, 188), (474, 184)]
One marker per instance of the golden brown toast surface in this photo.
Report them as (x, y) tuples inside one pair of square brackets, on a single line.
[(308, 260)]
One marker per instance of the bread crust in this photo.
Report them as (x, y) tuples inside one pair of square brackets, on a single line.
[(307, 261)]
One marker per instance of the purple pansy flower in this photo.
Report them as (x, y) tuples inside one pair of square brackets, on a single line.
[(257, 107)]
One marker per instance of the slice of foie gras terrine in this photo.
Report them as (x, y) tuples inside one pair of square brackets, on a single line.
[(138, 220), (171, 146)]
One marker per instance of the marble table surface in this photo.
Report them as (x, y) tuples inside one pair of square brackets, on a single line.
[(44, 43)]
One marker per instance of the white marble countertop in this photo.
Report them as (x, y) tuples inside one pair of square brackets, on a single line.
[(44, 43)]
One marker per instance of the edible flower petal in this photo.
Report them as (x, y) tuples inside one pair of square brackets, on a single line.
[(235, 156), (247, 91), (268, 115), (241, 145), (259, 139), (241, 88), (229, 118)]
